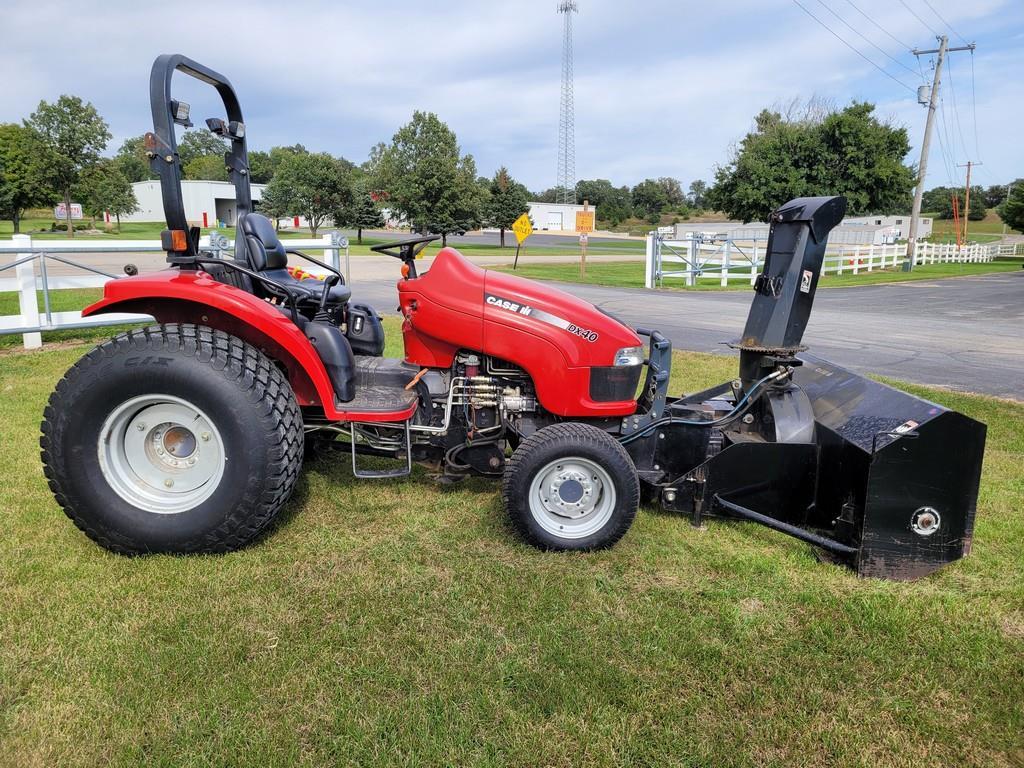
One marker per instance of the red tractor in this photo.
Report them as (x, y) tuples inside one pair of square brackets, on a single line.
[(188, 436)]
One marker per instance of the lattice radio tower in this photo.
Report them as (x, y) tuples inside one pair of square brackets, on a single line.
[(566, 183)]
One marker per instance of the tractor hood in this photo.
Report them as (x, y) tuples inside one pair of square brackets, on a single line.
[(584, 334), (558, 339)]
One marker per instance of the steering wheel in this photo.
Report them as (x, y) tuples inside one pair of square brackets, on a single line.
[(407, 251)]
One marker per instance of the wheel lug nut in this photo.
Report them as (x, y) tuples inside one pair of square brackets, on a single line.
[(205, 437), (168, 482)]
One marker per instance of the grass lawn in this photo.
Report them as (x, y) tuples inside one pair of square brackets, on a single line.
[(987, 230), (629, 274), (398, 623)]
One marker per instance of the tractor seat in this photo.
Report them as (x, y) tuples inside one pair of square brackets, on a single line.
[(268, 256)]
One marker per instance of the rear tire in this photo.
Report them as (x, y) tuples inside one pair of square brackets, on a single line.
[(174, 438), (571, 487)]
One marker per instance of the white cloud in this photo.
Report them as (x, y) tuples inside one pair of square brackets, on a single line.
[(662, 88)]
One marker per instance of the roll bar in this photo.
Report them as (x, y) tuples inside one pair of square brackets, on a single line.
[(162, 150)]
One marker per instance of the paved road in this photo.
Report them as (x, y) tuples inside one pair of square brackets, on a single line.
[(962, 333)]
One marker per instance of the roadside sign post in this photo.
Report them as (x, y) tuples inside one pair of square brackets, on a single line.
[(584, 226), (522, 228)]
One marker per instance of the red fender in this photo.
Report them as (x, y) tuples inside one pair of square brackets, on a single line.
[(188, 296)]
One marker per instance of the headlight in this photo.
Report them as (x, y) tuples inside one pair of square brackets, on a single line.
[(629, 356)]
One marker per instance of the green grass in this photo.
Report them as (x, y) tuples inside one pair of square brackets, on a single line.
[(987, 230), (628, 274), (397, 623)]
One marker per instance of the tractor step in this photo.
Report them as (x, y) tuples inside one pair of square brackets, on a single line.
[(378, 474)]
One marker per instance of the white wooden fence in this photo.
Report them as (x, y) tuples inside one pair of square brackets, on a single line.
[(30, 264), (730, 261)]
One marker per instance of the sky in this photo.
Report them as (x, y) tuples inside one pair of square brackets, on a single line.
[(661, 88)]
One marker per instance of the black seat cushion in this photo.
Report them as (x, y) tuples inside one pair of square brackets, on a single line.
[(309, 289), (265, 253)]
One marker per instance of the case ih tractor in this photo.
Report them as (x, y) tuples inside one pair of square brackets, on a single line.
[(188, 436)]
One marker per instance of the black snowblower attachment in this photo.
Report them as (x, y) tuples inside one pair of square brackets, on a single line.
[(879, 480)]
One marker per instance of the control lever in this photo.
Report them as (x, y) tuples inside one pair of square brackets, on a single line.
[(330, 280)]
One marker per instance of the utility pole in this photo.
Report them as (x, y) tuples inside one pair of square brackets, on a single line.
[(967, 194), (922, 167), (1009, 191)]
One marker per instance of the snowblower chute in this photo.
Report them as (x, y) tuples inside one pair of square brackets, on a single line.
[(873, 477)]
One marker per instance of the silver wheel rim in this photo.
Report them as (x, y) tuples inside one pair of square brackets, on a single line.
[(572, 498), (161, 453)]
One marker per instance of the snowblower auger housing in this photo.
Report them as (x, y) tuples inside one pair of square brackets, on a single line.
[(188, 436), (873, 477)]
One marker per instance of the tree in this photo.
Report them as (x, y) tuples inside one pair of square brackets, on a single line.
[(822, 152), (206, 168), (274, 204), (200, 143), (132, 161), (104, 188), (698, 193), (361, 213), (612, 203), (994, 195), (1012, 209), (508, 201), (76, 135), (26, 172), (940, 202), (313, 185), (261, 170), (649, 198), (673, 190), (427, 179)]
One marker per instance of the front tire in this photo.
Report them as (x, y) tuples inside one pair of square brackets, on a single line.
[(174, 438), (571, 487)]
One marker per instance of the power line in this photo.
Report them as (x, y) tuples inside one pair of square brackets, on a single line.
[(948, 155), (956, 109), (896, 40), (914, 14), (865, 39), (855, 50), (948, 25)]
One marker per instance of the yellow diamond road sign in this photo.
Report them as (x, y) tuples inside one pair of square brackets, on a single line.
[(523, 228)]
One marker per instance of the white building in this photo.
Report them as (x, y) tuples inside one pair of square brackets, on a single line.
[(897, 225), (555, 217), (859, 230), (207, 203)]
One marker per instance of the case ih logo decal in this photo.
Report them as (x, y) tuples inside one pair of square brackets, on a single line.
[(511, 306), (538, 314)]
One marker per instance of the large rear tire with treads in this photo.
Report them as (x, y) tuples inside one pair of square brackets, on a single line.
[(174, 438)]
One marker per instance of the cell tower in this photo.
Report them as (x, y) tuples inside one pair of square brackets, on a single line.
[(566, 184)]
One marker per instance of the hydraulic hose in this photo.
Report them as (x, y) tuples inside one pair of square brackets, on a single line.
[(741, 407)]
